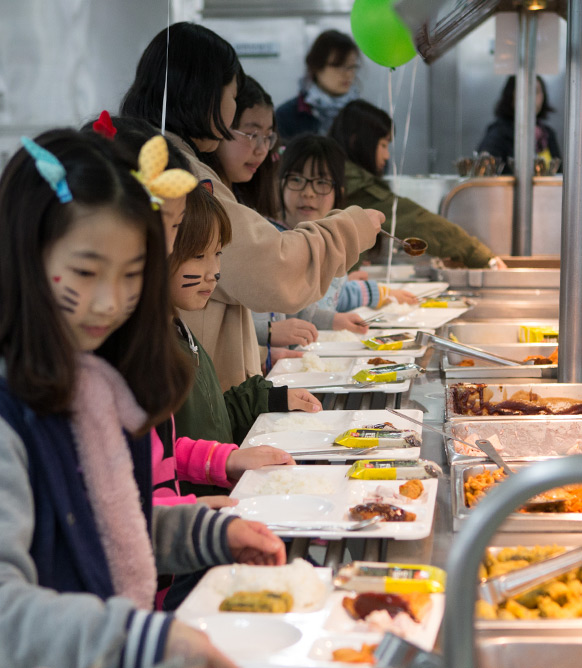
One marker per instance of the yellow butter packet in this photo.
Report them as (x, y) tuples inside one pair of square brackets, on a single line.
[(391, 578), (388, 373), (537, 334)]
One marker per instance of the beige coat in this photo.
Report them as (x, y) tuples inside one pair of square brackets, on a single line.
[(267, 270)]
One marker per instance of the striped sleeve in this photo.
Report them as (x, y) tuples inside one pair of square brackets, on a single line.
[(147, 633)]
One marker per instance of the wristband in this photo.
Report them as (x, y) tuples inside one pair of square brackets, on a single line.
[(269, 328)]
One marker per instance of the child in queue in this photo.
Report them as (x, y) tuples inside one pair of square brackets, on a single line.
[(311, 184), (203, 78), (82, 268)]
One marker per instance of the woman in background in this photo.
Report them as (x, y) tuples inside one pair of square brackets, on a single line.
[(365, 132), (499, 136), (332, 64)]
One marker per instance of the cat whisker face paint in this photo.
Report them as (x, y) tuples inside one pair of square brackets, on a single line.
[(189, 277), (69, 300), (132, 303)]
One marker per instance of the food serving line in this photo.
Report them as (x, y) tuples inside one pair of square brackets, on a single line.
[(427, 397)]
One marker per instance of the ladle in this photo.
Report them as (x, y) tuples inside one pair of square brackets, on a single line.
[(411, 245)]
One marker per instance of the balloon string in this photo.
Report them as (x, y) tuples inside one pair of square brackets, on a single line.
[(165, 99), (397, 173)]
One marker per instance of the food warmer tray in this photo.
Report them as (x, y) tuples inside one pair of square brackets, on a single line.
[(515, 351), (492, 332), (516, 522), (500, 278), (550, 436), (504, 391)]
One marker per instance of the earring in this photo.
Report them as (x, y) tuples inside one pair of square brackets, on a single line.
[(217, 276)]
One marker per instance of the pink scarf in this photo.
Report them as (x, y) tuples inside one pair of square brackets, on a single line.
[(103, 404)]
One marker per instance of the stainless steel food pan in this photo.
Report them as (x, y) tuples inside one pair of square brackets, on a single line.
[(526, 438), (501, 392), (516, 522), (534, 648), (501, 278), (515, 351), (493, 332)]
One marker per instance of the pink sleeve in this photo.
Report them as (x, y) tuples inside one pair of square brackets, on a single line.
[(203, 461), (172, 500)]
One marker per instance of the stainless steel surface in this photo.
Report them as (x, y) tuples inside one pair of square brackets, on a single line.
[(494, 332), (514, 522), (498, 589), (534, 651), (502, 391), (570, 366), (470, 544), (426, 339), (524, 140), (484, 208), (395, 652), (551, 436), (500, 278)]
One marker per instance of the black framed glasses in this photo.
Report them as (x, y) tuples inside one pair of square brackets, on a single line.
[(319, 185), (258, 140)]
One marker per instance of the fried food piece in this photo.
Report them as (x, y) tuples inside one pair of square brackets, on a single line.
[(390, 513), (538, 359), (467, 362), (411, 488), (380, 360), (258, 601), (353, 655)]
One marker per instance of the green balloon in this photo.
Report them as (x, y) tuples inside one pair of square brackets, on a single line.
[(380, 33)]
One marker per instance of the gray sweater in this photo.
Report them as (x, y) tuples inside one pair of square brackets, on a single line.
[(41, 627)]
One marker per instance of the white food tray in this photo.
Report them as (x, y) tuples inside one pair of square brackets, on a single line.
[(317, 431), (265, 499), (288, 372), (417, 317), (295, 638), (327, 348)]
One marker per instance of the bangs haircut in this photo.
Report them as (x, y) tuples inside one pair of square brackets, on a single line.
[(34, 338), (328, 160), (205, 216), (358, 128), (200, 65), (329, 44)]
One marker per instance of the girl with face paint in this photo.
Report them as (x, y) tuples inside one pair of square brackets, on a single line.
[(85, 371)]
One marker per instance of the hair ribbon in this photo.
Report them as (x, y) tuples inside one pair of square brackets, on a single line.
[(158, 181), (50, 168), (104, 125)]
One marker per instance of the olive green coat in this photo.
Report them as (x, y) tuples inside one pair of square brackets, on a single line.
[(445, 239)]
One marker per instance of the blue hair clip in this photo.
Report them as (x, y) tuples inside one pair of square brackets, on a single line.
[(50, 168)]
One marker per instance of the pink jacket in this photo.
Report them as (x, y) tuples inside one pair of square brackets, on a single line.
[(195, 461)]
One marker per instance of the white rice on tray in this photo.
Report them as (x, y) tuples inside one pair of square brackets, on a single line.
[(341, 335), (290, 482), (299, 579), (313, 362), (299, 422)]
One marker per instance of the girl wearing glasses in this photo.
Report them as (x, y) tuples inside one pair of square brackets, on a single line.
[(332, 64), (365, 132), (312, 184), (203, 81)]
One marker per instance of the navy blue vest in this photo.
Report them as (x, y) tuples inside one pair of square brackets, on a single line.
[(66, 547)]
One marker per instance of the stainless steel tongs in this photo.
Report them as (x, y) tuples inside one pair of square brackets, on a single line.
[(496, 589)]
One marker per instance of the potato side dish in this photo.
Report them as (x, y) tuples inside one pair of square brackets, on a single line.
[(559, 598)]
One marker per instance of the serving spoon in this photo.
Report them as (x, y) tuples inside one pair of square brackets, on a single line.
[(411, 245)]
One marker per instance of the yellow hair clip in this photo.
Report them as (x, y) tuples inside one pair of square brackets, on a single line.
[(156, 179)]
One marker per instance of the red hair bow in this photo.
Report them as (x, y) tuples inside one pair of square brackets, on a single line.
[(104, 126)]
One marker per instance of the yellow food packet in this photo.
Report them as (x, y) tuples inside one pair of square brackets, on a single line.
[(434, 303), (391, 578), (389, 342), (392, 469), (538, 334), (389, 373), (378, 436)]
